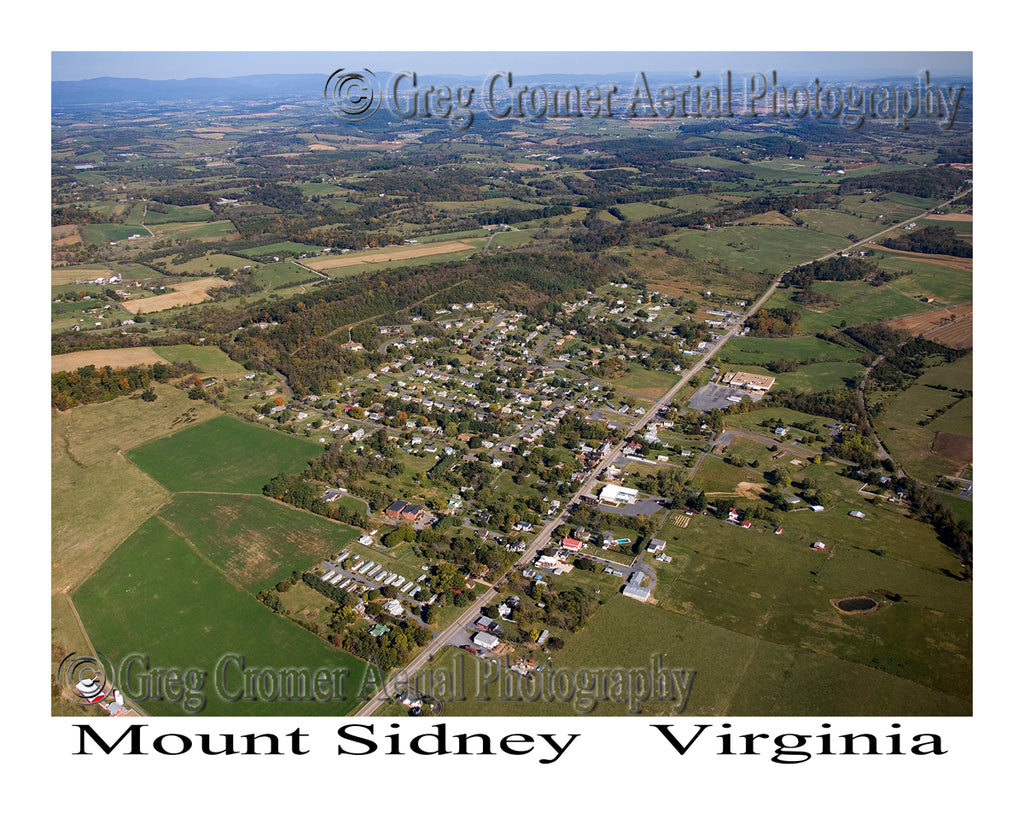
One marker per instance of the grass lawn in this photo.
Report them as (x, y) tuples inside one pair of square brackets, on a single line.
[(157, 597), (223, 455), (644, 382)]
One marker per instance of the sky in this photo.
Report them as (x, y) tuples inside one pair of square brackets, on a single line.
[(180, 65)]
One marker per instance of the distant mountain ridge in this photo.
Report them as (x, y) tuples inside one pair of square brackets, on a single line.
[(255, 87)]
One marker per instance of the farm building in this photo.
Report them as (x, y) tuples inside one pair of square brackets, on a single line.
[(656, 545), (636, 592)]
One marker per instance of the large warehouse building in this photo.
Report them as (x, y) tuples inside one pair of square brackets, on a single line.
[(749, 381)]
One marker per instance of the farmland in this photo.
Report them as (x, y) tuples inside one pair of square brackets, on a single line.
[(221, 455), (426, 351), (155, 580), (253, 541)]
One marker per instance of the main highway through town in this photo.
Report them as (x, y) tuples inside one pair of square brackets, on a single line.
[(462, 622)]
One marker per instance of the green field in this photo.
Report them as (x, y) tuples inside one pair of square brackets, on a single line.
[(837, 223), (205, 265), (209, 360), (281, 274), (755, 247), (179, 213), (761, 351), (101, 233), (687, 203), (254, 541), (946, 285), (648, 383), (287, 248), (642, 210), (158, 598), (194, 230), (223, 455), (912, 417), (859, 303), (736, 674)]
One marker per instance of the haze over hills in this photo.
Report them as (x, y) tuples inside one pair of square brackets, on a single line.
[(104, 90)]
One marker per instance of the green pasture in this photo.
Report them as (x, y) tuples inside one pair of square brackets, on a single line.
[(206, 264), (209, 360), (194, 230), (158, 598), (178, 213), (642, 210), (750, 350), (287, 248), (964, 229), (836, 223), (690, 202), (101, 233), (755, 247), (859, 303), (254, 541), (276, 274), (223, 455)]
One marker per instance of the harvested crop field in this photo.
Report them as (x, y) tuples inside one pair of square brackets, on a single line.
[(126, 357), (71, 275), (65, 235), (193, 292), (952, 326), (951, 445), (953, 217), (390, 254)]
